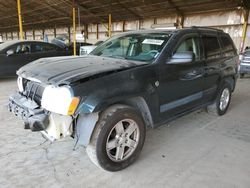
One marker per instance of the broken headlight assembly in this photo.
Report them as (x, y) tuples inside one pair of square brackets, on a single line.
[(59, 100)]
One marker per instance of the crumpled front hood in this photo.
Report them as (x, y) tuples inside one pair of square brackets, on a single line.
[(60, 70)]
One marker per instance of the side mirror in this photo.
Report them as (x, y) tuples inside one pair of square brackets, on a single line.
[(10, 52), (182, 58)]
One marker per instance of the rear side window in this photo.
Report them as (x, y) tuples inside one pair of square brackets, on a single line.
[(227, 46), (44, 48), (211, 47), (38, 48), (48, 47)]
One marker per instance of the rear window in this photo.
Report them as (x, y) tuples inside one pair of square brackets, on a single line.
[(211, 47), (227, 46)]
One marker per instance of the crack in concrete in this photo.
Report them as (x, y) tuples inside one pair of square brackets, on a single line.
[(25, 150), (51, 162)]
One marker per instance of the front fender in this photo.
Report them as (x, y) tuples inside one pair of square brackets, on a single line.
[(85, 127), (98, 104)]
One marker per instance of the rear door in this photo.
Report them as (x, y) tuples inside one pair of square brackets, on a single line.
[(181, 85), (213, 62)]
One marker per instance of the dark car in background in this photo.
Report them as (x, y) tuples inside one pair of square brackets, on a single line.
[(15, 54), (245, 63)]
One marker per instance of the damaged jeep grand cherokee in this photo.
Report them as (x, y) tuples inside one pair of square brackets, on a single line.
[(134, 80)]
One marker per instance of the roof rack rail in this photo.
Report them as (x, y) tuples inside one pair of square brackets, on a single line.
[(200, 27)]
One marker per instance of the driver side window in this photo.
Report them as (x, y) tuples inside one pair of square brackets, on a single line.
[(22, 48), (190, 45)]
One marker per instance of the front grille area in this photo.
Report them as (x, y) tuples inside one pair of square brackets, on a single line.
[(33, 90)]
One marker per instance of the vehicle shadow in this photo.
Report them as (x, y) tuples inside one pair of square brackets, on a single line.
[(9, 79)]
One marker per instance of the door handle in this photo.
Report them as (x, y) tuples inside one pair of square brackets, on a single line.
[(191, 75)]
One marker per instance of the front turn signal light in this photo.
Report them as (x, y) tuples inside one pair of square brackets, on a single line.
[(73, 105)]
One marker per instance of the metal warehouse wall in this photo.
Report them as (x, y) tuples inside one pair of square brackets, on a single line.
[(230, 21)]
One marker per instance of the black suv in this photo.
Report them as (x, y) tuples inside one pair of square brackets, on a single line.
[(132, 81)]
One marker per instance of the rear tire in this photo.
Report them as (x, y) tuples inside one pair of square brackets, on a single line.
[(223, 99), (117, 139), (242, 75)]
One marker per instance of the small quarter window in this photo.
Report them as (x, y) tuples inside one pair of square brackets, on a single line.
[(211, 47), (227, 47)]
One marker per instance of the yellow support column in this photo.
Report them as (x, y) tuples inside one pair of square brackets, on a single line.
[(110, 25), (246, 15), (74, 29), (123, 26), (20, 20), (97, 31)]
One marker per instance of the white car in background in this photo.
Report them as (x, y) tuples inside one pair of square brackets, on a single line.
[(84, 50)]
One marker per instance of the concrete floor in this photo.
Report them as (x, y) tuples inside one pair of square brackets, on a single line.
[(198, 150)]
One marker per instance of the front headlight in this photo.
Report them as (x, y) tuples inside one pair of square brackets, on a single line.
[(59, 100)]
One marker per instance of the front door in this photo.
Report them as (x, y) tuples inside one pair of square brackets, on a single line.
[(181, 85)]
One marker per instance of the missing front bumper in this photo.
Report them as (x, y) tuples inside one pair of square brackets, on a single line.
[(34, 117), (53, 126)]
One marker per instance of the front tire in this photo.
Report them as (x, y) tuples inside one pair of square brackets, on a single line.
[(223, 99), (118, 138)]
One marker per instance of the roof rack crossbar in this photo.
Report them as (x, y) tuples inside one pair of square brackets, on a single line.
[(200, 27)]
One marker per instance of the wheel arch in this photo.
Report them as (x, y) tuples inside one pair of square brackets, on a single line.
[(140, 104), (137, 102), (86, 122), (231, 80)]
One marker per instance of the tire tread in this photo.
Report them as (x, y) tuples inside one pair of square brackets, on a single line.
[(91, 148)]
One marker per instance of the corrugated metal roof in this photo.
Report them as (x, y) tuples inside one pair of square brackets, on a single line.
[(49, 13)]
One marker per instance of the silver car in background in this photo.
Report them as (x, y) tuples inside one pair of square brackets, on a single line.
[(245, 63), (84, 50)]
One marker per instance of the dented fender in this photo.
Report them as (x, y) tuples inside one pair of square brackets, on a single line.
[(85, 127)]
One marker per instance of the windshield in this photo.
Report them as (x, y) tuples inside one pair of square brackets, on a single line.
[(140, 47)]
